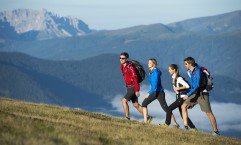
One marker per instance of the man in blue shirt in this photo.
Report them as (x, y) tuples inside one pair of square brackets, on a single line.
[(197, 95)]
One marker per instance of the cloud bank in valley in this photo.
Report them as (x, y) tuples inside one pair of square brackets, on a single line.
[(227, 114)]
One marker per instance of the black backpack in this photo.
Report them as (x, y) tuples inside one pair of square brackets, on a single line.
[(184, 91), (140, 72), (206, 81)]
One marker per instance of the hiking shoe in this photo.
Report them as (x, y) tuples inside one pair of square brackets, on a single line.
[(193, 129), (215, 133), (186, 127), (127, 118), (163, 125), (176, 126), (149, 119)]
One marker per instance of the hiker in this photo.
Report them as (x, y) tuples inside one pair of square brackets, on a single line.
[(156, 91), (197, 94), (180, 87), (132, 85)]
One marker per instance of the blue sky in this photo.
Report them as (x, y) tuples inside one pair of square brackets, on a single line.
[(110, 14)]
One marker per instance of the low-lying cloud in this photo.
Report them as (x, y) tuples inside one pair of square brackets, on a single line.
[(227, 114)]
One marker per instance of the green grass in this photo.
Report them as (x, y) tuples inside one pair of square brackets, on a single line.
[(37, 124)]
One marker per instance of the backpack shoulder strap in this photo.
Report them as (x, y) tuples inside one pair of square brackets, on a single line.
[(180, 77), (205, 71), (128, 67), (195, 70), (177, 82)]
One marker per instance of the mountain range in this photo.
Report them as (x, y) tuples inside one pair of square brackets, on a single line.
[(223, 23), (168, 43), (69, 83), (213, 41), (27, 24), (92, 81)]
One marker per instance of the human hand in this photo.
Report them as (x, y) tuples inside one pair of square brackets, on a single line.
[(147, 95), (137, 94), (185, 97), (176, 89)]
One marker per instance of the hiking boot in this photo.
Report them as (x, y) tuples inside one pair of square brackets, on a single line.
[(176, 126), (215, 133), (163, 125), (194, 130), (149, 119)]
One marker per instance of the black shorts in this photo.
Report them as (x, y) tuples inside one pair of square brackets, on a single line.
[(131, 95)]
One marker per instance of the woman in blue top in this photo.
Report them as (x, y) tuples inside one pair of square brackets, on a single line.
[(156, 91)]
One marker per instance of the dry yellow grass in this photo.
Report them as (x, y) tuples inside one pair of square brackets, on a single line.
[(35, 124)]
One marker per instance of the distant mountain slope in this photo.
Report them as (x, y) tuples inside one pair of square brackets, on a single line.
[(213, 51), (28, 78), (31, 25), (73, 83), (223, 23)]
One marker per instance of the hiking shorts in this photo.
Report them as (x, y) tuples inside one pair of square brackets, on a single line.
[(202, 100), (131, 95)]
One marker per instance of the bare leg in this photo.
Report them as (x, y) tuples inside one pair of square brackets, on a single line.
[(184, 114), (174, 120), (212, 120), (126, 107), (138, 107), (145, 114)]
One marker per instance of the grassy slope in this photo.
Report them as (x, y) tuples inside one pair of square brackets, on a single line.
[(28, 123)]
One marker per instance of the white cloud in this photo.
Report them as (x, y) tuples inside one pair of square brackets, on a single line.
[(227, 114)]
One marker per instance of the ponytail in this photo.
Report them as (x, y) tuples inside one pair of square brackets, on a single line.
[(176, 73)]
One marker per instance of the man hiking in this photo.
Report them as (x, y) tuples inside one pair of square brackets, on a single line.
[(132, 85), (197, 95)]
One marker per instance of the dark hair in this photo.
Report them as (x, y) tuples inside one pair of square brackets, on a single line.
[(125, 54), (175, 67), (190, 60)]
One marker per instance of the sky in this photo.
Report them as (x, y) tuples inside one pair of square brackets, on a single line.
[(227, 114), (110, 14)]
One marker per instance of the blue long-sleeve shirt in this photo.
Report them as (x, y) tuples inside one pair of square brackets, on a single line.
[(195, 79), (155, 81)]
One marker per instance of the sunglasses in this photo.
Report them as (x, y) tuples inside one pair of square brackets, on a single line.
[(122, 58)]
